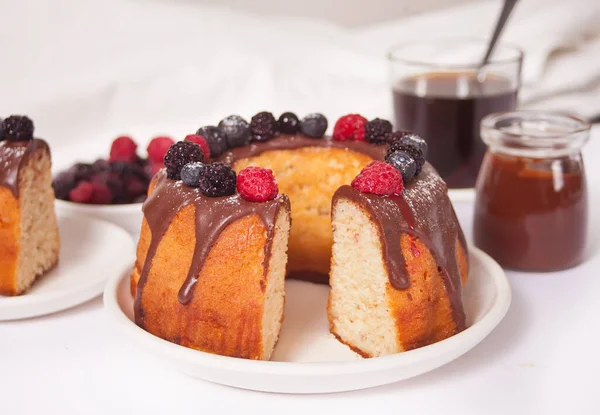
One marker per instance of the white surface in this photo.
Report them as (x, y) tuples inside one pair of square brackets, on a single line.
[(307, 358), (81, 274)]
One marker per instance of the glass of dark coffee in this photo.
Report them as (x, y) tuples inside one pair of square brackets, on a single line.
[(441, 92)]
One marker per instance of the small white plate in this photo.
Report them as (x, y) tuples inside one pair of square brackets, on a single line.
[(91, 251), (308, 359)]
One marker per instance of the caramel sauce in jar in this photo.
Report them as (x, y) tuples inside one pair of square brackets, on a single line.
[(531, 209)]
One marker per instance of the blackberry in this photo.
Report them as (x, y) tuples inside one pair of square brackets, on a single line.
[(236, 129), (18, 128), (377, 131), (216, 139), (263, 126), (411, 150), (180, 154), (404, 163), (288, 123), (314, 125), (217, 179), (191, 172)]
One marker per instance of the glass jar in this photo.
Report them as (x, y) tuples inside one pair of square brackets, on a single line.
[(531, 207)]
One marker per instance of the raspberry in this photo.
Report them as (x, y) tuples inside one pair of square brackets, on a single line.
[(413, 151), (155, 167), (158, 147), (180, 154), (377, 130), (216, 139), (350, 127), (101, 194), (201, 141), (217, 179), (263, 126), (236, 129), (82, 193), (17, 128), (256, 184), (123, 149), (379, 178)]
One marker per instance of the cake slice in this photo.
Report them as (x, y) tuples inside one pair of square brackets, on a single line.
[(210, 269), (398, 265), (29, 240)]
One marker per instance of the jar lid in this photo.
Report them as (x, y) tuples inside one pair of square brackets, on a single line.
[(536, 134)]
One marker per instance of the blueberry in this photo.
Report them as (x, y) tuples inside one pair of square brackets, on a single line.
[(313, 125), (216, 139), (18, 128), (404, 163), (217, 179), (236, 129), (288, 123), (415, 141), (191, 172)]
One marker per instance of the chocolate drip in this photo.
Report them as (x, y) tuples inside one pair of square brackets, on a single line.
[(212, 216), (292, 142), (13, 155), (425, 212)]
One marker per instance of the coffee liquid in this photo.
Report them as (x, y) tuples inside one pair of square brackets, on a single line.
[(446, 109)]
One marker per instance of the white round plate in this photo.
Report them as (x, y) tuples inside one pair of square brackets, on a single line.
[(462, 195), (91, 251), (307, 358)]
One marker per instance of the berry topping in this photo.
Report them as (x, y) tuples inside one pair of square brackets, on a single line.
[(201, 141), (263, 126), (314, 125), (17, 128), (158, 147), (415, 141), (101, 194), (411, 150), (236, 129), (350, 127), (180, 154), (405, 164), (288, 123), (379, 178), (217, 179), (1, 131), (82, 193), (216, 139), (256, 184), (191, 172), (123, 149), (377, 131)]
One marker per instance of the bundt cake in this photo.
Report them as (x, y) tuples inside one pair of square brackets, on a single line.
[(398, 266), (29, 240), (211, 262)]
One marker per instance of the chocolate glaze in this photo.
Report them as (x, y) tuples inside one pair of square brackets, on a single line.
[(292, 142), (212, 216), (424, 211), (13, 154)]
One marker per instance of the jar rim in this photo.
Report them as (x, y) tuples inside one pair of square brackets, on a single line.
[(535, 133)]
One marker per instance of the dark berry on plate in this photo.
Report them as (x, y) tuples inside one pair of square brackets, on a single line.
[(201, 141), (288, 123), (216, 139), (100, 165), (405, 164), (82, 171), (180, 154), (411, 150), (158, 147), (256, 184), (415, 141), (377, 130), (82, 193), (1, 131), (379, 178), (350, 127), (17, 128), (63, 183), (191, 172), (236, 129), (217, 179), (314, 125), (263, 126), (123, 149)]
